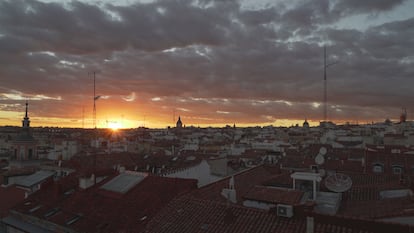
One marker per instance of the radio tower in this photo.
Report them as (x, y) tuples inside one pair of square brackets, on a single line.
[(95, 98), (325, 85)]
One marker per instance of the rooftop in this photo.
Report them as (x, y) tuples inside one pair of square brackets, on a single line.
[(123, 182), (34, 178), (188, 214), (96, 210), (10, 196), (274, 195)]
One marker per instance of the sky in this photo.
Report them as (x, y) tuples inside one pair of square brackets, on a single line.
[(213, 63)]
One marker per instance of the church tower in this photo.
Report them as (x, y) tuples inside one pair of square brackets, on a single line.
[(179, 124), (25, 146)]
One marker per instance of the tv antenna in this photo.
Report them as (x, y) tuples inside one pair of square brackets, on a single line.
[(95, 98), (325, 85), (338, 182)]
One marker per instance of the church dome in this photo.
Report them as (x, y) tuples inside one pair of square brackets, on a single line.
[(306, 124), (179, 123)]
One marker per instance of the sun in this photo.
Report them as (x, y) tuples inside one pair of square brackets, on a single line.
[(114, 125)]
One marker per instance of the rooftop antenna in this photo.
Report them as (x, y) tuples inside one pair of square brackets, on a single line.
[(83, 117), (325, 85), (95, 98), (338, 182)]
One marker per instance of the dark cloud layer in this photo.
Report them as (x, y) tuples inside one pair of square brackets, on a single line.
[(211, 59)]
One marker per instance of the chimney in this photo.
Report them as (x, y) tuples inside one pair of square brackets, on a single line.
[(310, 225), (230, 193)]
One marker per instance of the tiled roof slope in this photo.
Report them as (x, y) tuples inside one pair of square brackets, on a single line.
[(10, 196), (100, 212), (243, 183), (274, 195), (186, 214)]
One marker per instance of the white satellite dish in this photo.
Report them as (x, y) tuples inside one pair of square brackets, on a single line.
[(338, 182), (319, 159), (322, 151)]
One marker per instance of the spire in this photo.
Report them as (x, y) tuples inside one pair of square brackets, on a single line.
[(179, 123), (26, 121), (27, 106)]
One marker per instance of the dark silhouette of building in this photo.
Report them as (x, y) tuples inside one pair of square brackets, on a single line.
[(179, 124), (24, 146)]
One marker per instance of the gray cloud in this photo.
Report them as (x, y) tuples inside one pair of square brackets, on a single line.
[(349, 7), (208, 50)]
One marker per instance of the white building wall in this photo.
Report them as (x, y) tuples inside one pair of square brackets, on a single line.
[(258, 205)]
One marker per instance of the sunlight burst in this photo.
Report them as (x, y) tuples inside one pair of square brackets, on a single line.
[(114, 125)]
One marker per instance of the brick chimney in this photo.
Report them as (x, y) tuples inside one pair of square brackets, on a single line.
[(310, 224)]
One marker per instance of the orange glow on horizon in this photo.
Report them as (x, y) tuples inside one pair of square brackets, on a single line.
[(115, 119), (114, 125)]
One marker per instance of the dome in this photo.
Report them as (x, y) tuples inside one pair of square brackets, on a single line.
[(306, 124), (179, 123)]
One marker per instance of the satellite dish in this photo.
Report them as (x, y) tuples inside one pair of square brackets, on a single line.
[(322, 151), (319, 159), (338, 182)]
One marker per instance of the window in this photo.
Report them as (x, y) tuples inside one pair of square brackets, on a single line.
[(397, 169), (378, 168)]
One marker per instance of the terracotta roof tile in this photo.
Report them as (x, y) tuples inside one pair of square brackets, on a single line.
[(137, 206), (187, 214), (9, 197), (243, 183), (274, 195)]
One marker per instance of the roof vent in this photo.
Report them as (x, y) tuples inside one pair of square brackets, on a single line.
[(284, 210)]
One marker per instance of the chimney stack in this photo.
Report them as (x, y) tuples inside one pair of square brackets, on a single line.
[(310, 225)]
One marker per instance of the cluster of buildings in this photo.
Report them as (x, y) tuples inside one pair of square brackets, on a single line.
[(330, 178)]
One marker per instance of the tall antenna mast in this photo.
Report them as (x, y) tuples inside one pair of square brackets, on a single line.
[(325, 88), (94, 101), (95, 98), (325, 85), (83, 117)]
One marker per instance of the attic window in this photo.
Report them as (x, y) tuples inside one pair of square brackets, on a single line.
[(396, 151), (70, 191), (378, 168), (397, 169), (74, 219)]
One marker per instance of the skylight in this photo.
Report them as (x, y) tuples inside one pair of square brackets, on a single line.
[(51, 212), (74, 219), (124, 182), (35, 208)]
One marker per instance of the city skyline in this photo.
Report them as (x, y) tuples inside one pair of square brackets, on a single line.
[(211, 62)]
